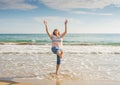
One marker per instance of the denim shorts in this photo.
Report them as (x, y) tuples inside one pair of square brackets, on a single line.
[(56, 49)]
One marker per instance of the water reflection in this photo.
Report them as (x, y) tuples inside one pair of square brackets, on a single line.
[(57, 82)]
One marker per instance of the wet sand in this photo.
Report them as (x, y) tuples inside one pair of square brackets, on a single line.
[(8, 82), (56, 82)]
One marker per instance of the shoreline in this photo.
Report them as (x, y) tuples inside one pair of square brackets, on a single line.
[(65, 44), (35, 81)]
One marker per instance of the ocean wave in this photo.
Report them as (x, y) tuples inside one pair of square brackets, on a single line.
[(22, 43), (69, 53), (49, 43), (70, 39)]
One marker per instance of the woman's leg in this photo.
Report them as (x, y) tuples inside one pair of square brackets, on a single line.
[(57, 51), (58, 65), (59, 56), (60, 53), (57, 69)]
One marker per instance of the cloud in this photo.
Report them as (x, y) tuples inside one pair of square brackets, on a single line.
[(91, 13), (73, 4), (49, 18), (16, 4), (55, 19), (76, 25), (58, 22)]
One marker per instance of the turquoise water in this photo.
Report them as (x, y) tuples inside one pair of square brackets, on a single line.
[(82, 39)]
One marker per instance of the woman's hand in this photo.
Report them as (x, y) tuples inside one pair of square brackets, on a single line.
[(45, 22), (66, 21)]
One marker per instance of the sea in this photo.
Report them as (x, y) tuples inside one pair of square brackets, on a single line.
[(69, 39), (86, 57)]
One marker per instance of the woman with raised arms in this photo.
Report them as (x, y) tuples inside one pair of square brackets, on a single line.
[(57, 43)]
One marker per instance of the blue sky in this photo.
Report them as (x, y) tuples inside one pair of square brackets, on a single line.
[(84, 16)]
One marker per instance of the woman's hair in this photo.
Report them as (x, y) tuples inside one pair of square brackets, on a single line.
[(54, 32)]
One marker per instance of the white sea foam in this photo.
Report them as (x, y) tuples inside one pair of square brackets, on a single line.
[(79, 62), (69, 49)]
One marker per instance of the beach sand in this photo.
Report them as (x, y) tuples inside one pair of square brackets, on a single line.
[(32, 81), (8, 82)]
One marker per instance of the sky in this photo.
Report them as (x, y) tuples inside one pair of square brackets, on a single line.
[(84, 16)]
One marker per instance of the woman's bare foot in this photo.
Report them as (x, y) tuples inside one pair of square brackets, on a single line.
[(57, 73)]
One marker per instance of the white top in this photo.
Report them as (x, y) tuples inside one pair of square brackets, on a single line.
[(57, 41)]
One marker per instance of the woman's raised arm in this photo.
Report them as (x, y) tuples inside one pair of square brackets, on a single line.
[(46, 26), (65, 32)]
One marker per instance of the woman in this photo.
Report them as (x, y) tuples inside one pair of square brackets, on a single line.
[(57, 40)]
